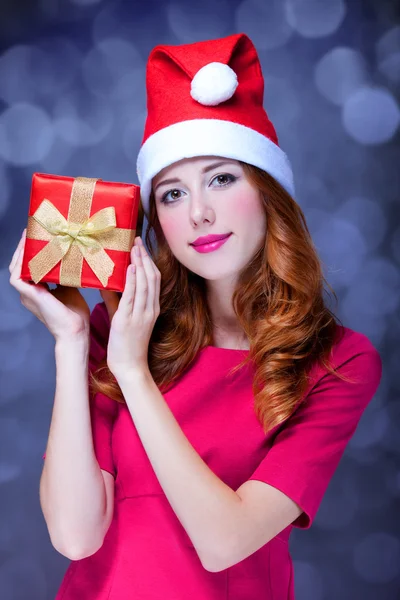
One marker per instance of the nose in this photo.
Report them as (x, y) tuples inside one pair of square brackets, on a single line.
[(200, 207)]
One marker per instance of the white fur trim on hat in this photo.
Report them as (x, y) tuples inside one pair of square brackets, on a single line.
[(214, 83), (210, 137)]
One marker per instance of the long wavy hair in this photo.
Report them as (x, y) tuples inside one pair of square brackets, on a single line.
[(278, 301)]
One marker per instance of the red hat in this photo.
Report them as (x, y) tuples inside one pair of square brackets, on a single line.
[(206, 98)]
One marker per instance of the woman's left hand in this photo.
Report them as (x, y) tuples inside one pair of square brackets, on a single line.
[(133, 317)]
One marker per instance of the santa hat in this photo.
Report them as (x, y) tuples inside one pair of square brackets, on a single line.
[(206, 98)]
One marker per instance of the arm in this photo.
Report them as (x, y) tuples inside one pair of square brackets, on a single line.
[(72, 491), (212, 514)]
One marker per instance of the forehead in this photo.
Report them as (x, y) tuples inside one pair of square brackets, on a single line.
[(198, 162)]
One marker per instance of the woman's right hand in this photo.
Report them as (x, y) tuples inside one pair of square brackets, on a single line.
[(64, 311)]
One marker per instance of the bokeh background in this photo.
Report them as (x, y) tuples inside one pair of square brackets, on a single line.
[(73, 102)]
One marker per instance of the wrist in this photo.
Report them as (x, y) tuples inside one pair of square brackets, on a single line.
[(79, 341), (136, 373)]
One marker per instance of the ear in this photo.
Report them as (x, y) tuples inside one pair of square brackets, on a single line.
[(111, 300)]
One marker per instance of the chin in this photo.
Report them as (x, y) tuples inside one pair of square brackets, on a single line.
[(215, 273)]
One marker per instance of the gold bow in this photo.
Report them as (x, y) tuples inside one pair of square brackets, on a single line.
[(76, 238)]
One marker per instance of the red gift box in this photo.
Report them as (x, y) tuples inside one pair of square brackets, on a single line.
[(80, 231)]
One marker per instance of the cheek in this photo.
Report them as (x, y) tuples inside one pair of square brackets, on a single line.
[(170, 227), (245, 206)]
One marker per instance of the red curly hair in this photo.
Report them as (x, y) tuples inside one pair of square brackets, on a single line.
[(278, 302)]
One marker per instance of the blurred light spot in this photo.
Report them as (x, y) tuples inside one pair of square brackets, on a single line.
[(391, 440), (108, 23), (18, 357), (390, 67), (368, 216), (138, 26), (58, 66), (392, 472), (30, 72), (339, 244), (132, 135), (81, 120), (13, 315), (16, 66), (11, 541), (371, 428), (85, 2), (39, 375), (313, 18), (26, 134), (5, 192), (388, 54), (10, 435), (375, 290), (265, 23), (371, 115), (60, 155), (206, 19), (20, 574), (371, 486), (9, 472), (319, 193), (395, 244), (282, 103), (371, 455), (377, 558), (339, 505), (128, 88), (339, 73), (308, 577), (104, 154), (113, 68)]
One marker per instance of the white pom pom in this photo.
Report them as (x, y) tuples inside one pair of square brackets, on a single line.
[(214, 83)]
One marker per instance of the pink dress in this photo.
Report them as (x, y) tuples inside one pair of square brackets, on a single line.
[(147, 554)]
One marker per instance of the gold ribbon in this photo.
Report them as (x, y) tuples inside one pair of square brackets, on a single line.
[(76, 238)]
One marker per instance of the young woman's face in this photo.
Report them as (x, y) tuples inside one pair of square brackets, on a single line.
[(208, 197)]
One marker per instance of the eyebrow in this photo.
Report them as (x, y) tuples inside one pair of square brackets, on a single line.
[(205, 170)]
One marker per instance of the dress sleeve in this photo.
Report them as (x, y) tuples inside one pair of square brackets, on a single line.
[(307, 451), (102, 408)]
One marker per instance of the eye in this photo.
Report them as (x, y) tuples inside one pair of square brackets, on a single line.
[(164, 196), (231, 179)]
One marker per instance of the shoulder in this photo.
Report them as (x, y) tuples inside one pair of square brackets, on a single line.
[(350, 342), (354, 355)]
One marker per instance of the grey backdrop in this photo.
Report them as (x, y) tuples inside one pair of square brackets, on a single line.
[(72, 102)]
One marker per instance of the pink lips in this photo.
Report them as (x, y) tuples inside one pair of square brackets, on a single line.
[(202, 248)]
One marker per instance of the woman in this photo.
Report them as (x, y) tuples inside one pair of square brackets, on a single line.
[(223, 392)]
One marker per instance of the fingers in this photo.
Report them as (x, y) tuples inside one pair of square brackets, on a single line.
[(143, 286), (154, 281), (153, 276), (142, 289), (15, 268), (128, 295), (17, 251), (149, 269)]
